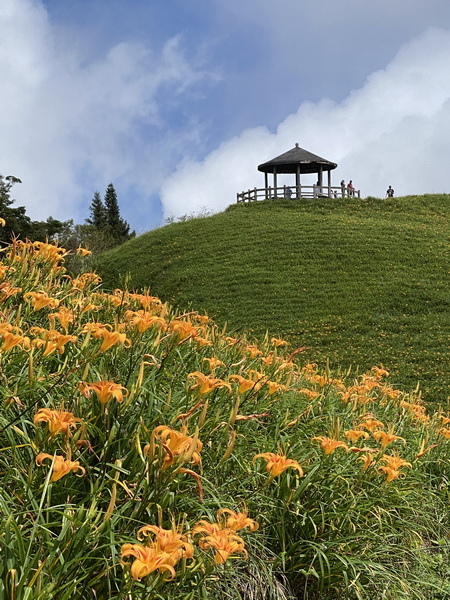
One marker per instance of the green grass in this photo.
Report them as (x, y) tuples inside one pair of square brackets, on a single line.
[(358, 282)]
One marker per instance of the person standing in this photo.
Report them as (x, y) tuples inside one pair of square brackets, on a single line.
[(343, 188), (389, 192), (350, 189)]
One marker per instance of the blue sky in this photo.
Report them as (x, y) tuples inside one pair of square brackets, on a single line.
[(177, 101)]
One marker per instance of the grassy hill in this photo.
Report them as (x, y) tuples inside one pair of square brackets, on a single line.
[(358, 282)]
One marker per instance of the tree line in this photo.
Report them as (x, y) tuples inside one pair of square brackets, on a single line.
[(103, 229)]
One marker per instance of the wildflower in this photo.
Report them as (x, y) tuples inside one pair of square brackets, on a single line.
[(393, 464), (278, 463), (329, 445), (367, 459), (276, 387), (245, 384), (51, 340), (177, 444), (147, 301), (110, 338), (61, 466), (7, 290), (147, 559), (386, 438), (182, 329), (277, 342), (253, 351), (41, 299), (168, 540), (201, 341), (10, 340), (57, 420), (311, 394), (83, 251), (206, 384), (105, 390), (143, 320), (445, 432), (224, 541), (237, 521), (86, 279), (370, 423), (65, 316), (214, 363), (354, 435)]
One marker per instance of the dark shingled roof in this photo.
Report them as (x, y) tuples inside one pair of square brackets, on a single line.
[(288, 162)]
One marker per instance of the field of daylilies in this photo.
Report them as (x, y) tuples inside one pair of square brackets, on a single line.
[(147, 454)]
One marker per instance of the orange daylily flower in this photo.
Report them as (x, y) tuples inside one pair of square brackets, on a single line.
[(393, 464), (182, 329), (61, 466), (206, 384), (370, 423), (237, 520), (105, 390), (168, 540), (51, 340), (147, 559), (355, 434), (57, 420), (224, 541), (10, 340), (253, 351), (386, 438), (143, 320), (278, 463), (329, 445), (214, 363), (83, 251), (276, 387), (368, 461), (41, 299), (277, 342), (65, 316), (177, 444), (2, 222)]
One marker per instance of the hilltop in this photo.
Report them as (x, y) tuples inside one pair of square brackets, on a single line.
[(358, 282)]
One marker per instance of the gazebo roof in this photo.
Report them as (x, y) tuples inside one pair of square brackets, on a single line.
[(290, 160)]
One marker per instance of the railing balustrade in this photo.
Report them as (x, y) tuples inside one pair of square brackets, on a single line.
[(296, 192)]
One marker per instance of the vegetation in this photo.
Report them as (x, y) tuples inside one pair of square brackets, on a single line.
[(104, 228), (146, 454), (357, 282)]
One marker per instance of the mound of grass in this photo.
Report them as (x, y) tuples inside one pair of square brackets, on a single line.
[(357, 282), (146, 454)]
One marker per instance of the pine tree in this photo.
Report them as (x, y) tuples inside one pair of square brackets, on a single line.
[(118, 228), (98, 215)]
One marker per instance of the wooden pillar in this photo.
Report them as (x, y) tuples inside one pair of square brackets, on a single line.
[(266, 185), (320, 176), (275, 181), (330, 194), (297, 182)]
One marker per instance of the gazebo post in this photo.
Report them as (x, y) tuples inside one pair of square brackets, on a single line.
[(329, 184), (266, 185), (297, 182), (275, 181)]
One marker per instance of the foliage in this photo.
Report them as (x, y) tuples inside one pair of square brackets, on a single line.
[(357, 282), (19, 224), (146, 453)]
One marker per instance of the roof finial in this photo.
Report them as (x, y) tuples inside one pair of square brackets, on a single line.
[(296, 144)]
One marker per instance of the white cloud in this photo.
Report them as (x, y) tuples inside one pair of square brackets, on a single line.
[(395, 130), (71, 124)]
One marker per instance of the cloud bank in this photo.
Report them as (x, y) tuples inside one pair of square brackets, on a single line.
[(71, 124), (395, 130)]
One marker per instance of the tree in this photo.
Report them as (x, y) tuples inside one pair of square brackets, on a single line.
[(98, 214), (118, 228)]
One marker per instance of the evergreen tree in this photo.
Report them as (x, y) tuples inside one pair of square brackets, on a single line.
[(118, 228), (98, 214)]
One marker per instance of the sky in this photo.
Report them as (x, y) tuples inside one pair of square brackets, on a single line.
[(176, 102)]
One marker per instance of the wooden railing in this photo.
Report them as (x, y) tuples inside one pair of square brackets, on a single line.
[(293, 192)]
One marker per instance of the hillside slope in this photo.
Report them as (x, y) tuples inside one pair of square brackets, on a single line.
[(358, 282)]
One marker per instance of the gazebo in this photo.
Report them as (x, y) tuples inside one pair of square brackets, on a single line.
[(298, 162)]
